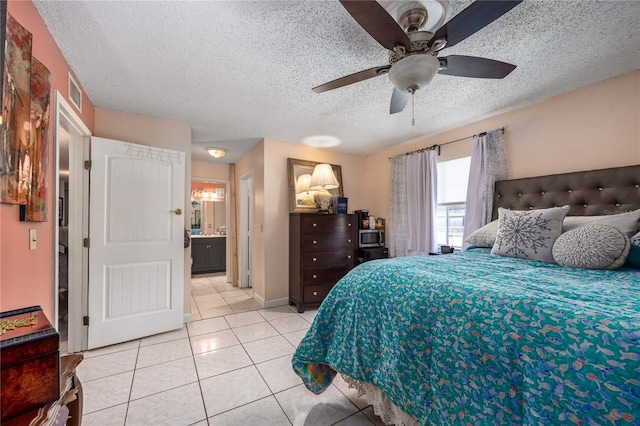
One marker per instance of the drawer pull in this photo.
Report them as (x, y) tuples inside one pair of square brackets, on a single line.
[(315, 260), (348, 256), (348, 224), (315, 276), (314, 225), (314, 241), (315, 293), (349, 240)]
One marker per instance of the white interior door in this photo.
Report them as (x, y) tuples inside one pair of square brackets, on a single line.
[(136, 254)]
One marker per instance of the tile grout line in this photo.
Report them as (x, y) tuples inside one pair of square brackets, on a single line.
[(253, 363), (133, 378), (195, 367)]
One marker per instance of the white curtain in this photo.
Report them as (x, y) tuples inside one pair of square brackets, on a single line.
[(397, 224), (488, 164), (422, 183)]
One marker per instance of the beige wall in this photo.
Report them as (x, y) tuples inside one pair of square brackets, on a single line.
[(276, 209), (253, 163), (591, 128), (160, 133), (268, 161), (208, 170)]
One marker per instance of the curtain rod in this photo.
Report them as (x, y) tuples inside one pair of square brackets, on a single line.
[(437, 146)]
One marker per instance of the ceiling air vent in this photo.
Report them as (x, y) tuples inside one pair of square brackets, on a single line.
[(75, 94)]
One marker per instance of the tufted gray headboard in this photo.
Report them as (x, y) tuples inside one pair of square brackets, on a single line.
[(590, 193)]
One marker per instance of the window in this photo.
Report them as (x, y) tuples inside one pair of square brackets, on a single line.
[(453, 177)]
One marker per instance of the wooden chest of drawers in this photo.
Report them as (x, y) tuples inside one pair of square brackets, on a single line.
[(322, 249), (29, 362)]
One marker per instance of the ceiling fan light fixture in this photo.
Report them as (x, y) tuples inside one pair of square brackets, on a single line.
[(216, 152), (412, 71)]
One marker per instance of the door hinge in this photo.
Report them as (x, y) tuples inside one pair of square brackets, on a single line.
[(86, 242), (85, 320), (87, 165)]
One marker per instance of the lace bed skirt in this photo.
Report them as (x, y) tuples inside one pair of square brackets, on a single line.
[(382, 406)]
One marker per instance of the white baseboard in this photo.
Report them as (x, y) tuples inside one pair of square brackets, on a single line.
[(258, 299), (187, 318), (270, 303), (276, 302)]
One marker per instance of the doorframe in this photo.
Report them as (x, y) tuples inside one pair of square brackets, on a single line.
[(245, 236), (227, 213), (68, 120)]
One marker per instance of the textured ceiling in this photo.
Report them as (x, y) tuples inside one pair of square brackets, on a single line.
[(239, 71)]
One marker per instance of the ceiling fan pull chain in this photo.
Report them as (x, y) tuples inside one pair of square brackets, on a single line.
[(413, 108)]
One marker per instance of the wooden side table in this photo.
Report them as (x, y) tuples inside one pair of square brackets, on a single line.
[(67, 410)]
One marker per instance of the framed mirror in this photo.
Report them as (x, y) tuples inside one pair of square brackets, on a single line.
[(300, 196)]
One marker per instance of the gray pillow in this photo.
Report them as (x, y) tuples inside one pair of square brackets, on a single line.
[(627, 222), (592, 247), (485, 236), (528, 234)]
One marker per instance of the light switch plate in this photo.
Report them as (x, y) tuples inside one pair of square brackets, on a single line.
[(32, 239)]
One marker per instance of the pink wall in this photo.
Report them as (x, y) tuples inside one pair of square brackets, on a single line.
[(208, 187), (26, 277)]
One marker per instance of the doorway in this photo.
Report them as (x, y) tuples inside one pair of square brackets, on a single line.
[(70, 223), (210, 245), (246, 231)]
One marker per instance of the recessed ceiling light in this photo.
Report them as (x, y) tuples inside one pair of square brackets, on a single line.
[(321, 141), (216, 152)]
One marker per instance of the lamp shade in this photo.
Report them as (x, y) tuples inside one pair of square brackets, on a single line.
[(323, 177), (303, 183)]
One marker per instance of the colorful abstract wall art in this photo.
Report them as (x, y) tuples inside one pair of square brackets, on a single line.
[(15, 164), (24, 123), (38, 150)]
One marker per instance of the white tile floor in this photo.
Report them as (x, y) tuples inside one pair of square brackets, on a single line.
[(231, 366)]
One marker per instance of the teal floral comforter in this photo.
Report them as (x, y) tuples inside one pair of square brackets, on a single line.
[(475, 338)]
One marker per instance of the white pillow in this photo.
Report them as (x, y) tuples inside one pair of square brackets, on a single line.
[(528, 234), (485, 236), (592, 247), (627, 223)]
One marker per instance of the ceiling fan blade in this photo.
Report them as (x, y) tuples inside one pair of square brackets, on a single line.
[(352, 78), (377, 22), (471, 66), (399, 100), (475, 17)]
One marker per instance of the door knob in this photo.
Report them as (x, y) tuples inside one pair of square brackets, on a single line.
[(178, 212)]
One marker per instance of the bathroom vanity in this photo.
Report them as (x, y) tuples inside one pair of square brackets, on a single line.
[(209, 253)]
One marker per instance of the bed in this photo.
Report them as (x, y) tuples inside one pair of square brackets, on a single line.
[(477, 338)]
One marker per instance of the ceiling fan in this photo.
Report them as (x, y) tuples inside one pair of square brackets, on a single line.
[(414, 38)]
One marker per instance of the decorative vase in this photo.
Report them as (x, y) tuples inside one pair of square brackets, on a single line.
[(323, 200)]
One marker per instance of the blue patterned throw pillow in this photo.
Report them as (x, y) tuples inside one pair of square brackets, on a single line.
[(592, 247), (633, 258), (528, 234)]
